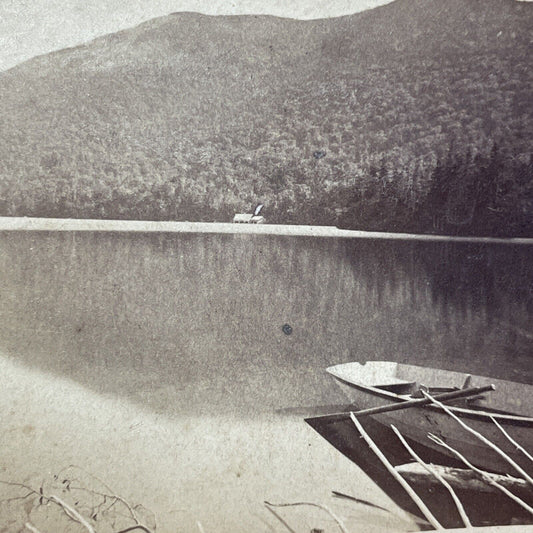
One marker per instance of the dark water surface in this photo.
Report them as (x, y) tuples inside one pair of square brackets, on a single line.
[(192, 323)]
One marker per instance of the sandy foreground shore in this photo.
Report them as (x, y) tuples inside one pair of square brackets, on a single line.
[(66, 224), (212, 470)]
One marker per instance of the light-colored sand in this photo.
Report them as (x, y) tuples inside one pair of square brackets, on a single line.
[(216, 470), (69, 224)]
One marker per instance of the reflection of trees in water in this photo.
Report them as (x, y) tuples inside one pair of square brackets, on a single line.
[(466, 307), (480, 278), (461, 278)]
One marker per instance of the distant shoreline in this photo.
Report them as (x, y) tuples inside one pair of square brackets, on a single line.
[(145, 226)]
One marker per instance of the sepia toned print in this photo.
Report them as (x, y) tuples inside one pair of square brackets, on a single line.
[(266, 268)]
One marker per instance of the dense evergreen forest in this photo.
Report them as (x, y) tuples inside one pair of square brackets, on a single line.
[(415, 116)]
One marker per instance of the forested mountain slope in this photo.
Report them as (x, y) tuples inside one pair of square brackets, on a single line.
[(415, 115)]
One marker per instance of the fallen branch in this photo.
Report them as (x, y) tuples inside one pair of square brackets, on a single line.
[(511, 440), (111, 493), (483, 474), (319, 506), (31, 528), (482, 438), (358, 500), (414, 496), (133, 528), (72, 513), (30, 490), (45, 497), (420, 402), (436, 474), (289, 528), (462, 478)]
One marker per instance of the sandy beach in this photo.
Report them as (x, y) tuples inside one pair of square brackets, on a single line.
[(216, 471)]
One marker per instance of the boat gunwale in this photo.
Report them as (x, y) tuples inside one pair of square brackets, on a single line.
[(485, 416)]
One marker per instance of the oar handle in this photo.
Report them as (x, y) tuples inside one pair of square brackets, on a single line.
[(463, 393)]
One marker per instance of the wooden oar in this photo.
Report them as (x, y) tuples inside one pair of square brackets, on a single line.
[(463, 393)]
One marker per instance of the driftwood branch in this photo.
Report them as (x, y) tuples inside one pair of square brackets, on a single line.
[(30, 490), (462, 478), (358, 500), (110, 494), (414, 496), (420, 402), (484, 475), (44, 497), (135, 527), (482, 438), (31, 528), (436, 474), (72, 513), (319, 506), (511, 440), (280, 518)]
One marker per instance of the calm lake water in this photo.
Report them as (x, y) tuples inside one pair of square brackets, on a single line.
[(191, 325), (205, 312)]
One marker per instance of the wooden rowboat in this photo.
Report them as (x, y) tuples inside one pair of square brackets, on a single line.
[(383, 383)]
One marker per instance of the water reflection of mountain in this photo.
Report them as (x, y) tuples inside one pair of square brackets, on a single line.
[(201, 316)]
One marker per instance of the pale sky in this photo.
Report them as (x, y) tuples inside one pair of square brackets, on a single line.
[(33, 27)]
